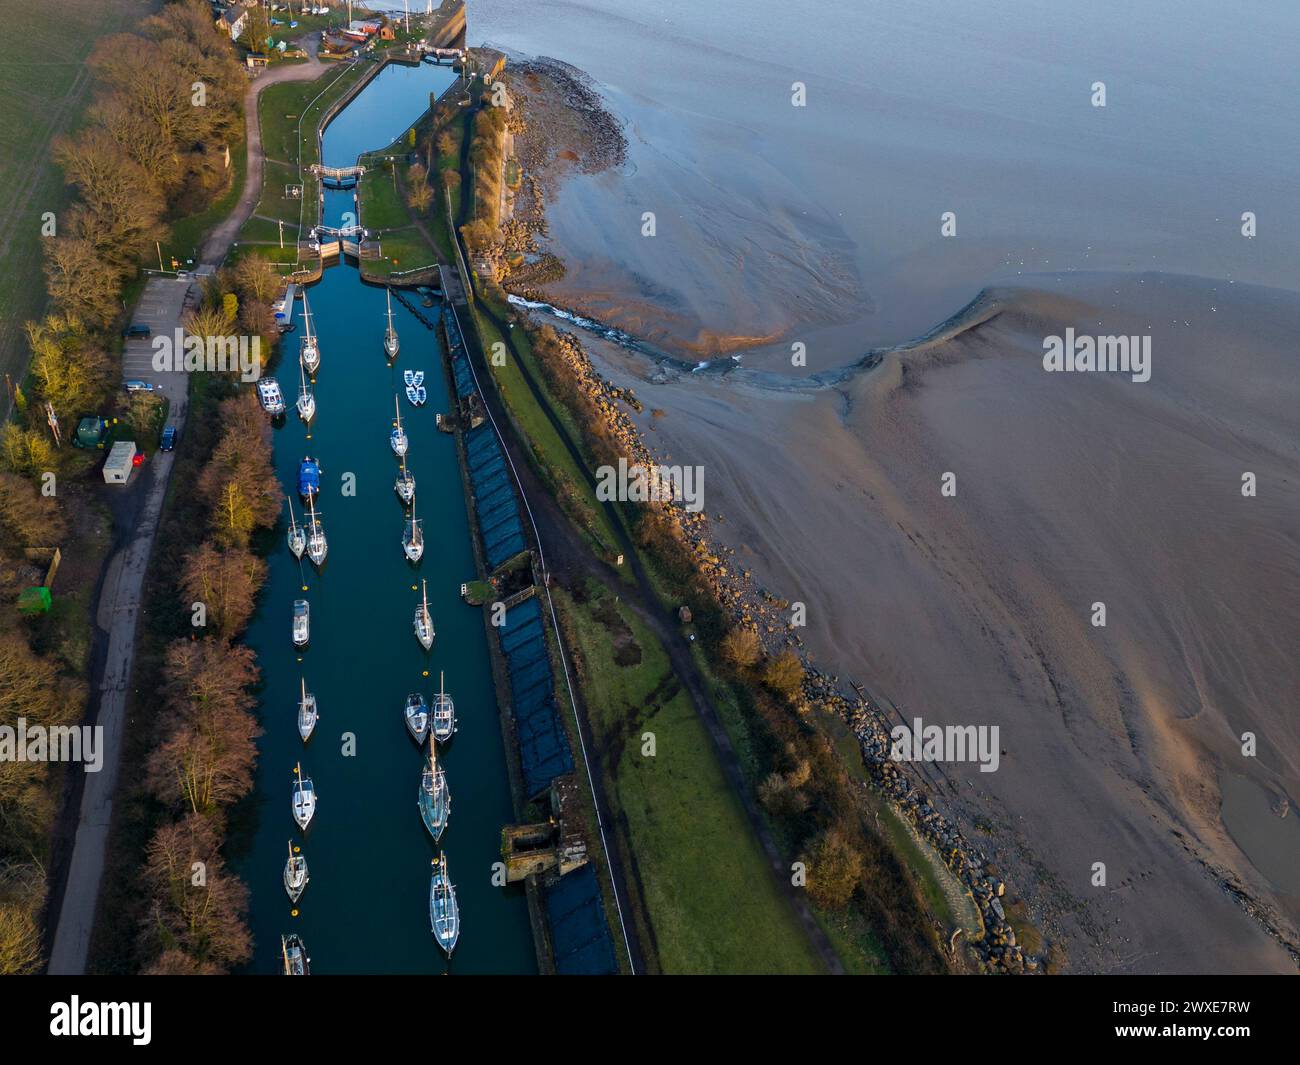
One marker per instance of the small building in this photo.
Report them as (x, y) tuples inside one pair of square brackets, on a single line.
[(91, 431), (255, 60), (232, 21), (120, 462), (34, 600)]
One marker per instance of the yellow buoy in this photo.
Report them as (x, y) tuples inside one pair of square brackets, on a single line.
[(293, 913)]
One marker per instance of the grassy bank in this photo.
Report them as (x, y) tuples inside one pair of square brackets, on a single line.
[(706, 901)]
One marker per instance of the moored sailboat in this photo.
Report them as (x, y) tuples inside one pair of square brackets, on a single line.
[(309, 354), (391, 344), (293, 955), (405, 484), (297, 535), (307, 714), (444, 713), (317, 546), (306, 398), (417, 717), (434, 798), (304, 798), (413, 537), (295, 875), (444, 914), (423, 619), (397, 438)]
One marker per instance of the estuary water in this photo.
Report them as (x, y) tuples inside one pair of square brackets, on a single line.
[(822, 223), (366, 907)]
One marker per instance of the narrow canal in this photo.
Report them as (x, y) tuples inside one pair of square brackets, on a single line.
[(366, 907)]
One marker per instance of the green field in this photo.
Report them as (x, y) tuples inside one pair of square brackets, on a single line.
[(382, 206), (44, 87), (706, 892)]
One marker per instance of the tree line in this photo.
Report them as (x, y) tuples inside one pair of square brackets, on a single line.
[(166, 108), (202, 746)]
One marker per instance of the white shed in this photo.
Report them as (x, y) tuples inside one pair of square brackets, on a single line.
[(118, 465)]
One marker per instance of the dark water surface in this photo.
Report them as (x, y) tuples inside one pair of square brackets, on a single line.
[(366, 908), (822, 223)]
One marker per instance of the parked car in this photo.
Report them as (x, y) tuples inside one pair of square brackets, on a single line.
[(137, 330), (139, 386), (168, 438)]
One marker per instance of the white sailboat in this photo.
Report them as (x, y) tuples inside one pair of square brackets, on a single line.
[(405, 484), (391, 344), (309, 354), (306, 398), (294, 955), (307, 713), (413, 537), (416, 713), (424, 620), (295, 875), (317, 546), (444, 914), (444, 712), (434, 797), (304, 798), (398, 436), (297, 536)]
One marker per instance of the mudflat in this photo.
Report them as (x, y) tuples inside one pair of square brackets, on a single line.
[(1071, 489)]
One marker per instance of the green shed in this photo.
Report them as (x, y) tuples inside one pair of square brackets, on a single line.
[(34, 601)]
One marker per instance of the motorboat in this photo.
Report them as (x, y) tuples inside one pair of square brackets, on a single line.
[(270, 396), (308, 477), (301, 623)]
